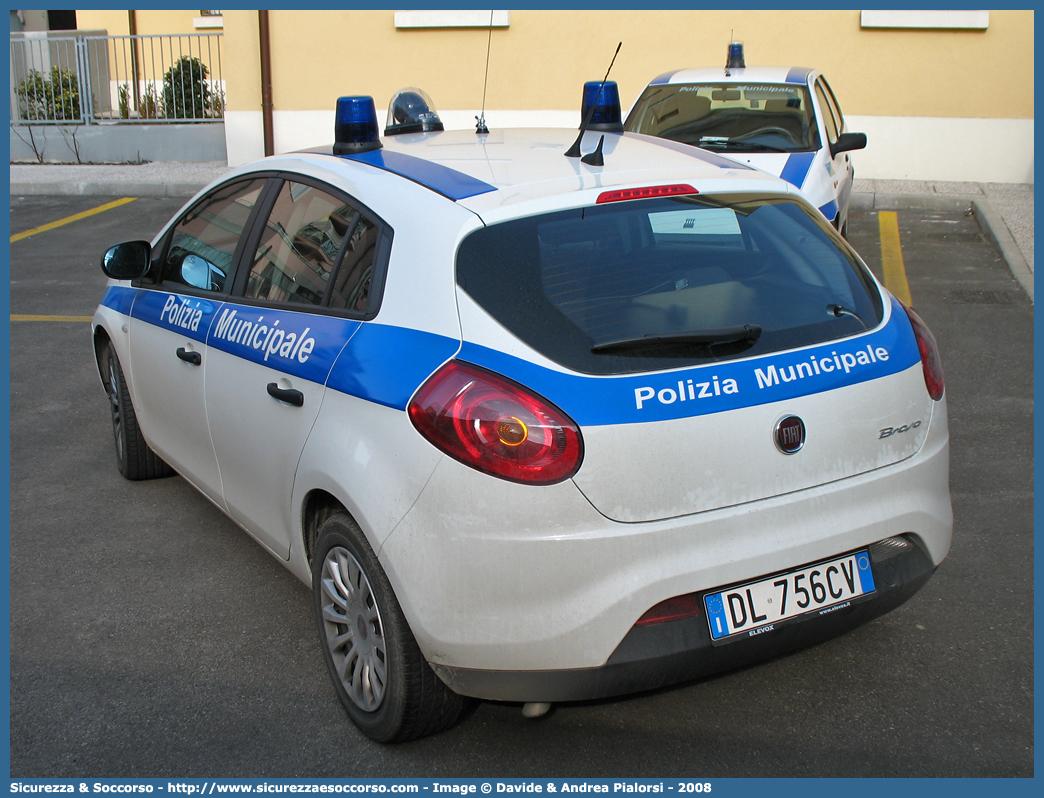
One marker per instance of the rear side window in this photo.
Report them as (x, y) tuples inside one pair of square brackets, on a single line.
[(573, 282), (354, 281), (299, 246), (320, 248)]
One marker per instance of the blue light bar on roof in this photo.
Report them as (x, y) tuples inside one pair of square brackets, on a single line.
[(606, 113), (355, 126), (735, 59), (448, 182)]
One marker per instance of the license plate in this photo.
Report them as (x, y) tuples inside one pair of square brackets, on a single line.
[(757, 607)]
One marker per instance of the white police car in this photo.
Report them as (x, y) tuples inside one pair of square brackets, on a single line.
[(785, 120), (534, 429)]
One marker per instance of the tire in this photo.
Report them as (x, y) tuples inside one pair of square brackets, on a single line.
[(380, 675), (134, 459)]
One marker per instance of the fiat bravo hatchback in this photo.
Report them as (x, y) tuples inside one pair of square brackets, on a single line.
[(534, 428)]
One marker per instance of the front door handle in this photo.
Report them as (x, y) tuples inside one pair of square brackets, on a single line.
[(288, 395), (195, 358)]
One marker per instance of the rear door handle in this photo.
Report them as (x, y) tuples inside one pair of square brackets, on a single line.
[(195, 358), (288, 395)]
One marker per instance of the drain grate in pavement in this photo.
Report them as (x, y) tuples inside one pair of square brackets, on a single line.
[(981, 297)]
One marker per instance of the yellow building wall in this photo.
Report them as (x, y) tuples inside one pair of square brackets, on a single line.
[(926, 98), (113, 22), (242, 61), (148, 21), (543, 58)]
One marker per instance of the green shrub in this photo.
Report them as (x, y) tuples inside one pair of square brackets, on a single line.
[(43, 98), (217, 104), (186, 93), (150, 104), (33, 93), (124, 99)]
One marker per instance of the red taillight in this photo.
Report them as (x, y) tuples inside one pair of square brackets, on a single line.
[(672, 609), (495, 425), (931, 362), (647, 192)]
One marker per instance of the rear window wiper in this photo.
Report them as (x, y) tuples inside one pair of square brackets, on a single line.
[(748, 333), (841, 310)]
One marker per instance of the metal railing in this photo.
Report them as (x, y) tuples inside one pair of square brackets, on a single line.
[(117, 79)]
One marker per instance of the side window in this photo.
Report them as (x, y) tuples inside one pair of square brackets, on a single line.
[(299, 246), (351, 288), (203, 243), (827, 111)]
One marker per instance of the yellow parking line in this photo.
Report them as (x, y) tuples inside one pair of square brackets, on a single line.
[(892, 256), (74, 218), (17, 317)]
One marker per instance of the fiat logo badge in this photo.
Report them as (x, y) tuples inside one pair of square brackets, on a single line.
[(789, 434)]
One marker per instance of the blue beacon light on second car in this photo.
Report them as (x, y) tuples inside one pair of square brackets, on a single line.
[(735, 58), (355, 126), (606, 112)]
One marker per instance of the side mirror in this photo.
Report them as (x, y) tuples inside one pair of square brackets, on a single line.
[(848, 141), (127, 261)]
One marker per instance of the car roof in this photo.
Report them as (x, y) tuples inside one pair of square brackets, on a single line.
[(514, 172), (759, 74), (495, 174)]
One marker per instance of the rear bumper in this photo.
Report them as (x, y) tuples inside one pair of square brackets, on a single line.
[(663, 654), (491, 581)]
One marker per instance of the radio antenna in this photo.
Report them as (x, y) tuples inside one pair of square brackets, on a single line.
[(574, 151), (480, 121)]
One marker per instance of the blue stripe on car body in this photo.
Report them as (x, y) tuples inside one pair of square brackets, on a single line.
[(119, 298), (448, 182), (303, 345), (798, 75), (797, 166), (386, 364), (190, 316), (347, 355), (596, 401), (659, 80), (829, 210)]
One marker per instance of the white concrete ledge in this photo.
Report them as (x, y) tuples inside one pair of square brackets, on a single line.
[(465, 18), (941, 20), (944, 148)]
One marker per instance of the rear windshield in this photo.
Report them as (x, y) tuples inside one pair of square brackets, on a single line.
[(658, 284), (747, 117)]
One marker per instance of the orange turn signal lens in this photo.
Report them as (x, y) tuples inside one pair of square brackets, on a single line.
[(512, 431)]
